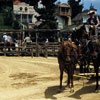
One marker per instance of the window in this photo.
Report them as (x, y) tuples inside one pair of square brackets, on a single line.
[(26, 9), (21, 8), (67, 9), (30, 18), (63, 9)]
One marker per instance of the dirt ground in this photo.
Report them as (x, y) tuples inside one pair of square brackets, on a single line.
[(37, 78)]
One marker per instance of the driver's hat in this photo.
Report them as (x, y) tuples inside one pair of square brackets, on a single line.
[(91, 13)]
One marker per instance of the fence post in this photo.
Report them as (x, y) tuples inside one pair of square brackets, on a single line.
[(32, 52), (53, 49), (46, 49), (37, 44), (37, 50), (4, 49)]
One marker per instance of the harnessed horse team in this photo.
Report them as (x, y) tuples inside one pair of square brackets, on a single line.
[(79, 49)]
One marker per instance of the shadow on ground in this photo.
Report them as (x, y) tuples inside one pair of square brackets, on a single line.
[(54, 90), (82, 91), (51, 91), (88, 88)]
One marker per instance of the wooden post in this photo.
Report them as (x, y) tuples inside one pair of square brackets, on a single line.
[(32, 52), (19, 51), (46, 49), (37, 45), (54, 50), (4, 49), (37, 50)]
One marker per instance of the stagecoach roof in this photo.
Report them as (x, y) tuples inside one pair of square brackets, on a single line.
[(71, 28), (66, 31)]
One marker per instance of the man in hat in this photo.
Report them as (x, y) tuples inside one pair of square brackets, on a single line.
[(92, 23)]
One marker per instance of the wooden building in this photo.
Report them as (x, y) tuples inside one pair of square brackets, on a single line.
[(63, 14), (64, 9), (25, 13)]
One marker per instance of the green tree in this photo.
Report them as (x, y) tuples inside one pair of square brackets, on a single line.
[(47, 15), (8, 17), (6, 10), (75, 6), (31, 2), (16, 25)]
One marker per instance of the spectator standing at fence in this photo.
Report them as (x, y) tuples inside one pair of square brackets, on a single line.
[(9, 39), (5, 37), (16, 44), (27, 40), (47, 40)]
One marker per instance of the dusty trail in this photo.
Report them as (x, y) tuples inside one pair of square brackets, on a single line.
[(26, 78)]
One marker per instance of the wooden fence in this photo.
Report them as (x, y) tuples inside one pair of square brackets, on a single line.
[(34, 49), (37, 48)]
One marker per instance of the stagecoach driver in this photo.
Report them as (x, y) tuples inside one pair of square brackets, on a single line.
[(92, 23)]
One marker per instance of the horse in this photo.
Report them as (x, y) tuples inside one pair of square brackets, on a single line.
[(94, 48), (67, 57), (79, 36), (84, 58), (79, 33)]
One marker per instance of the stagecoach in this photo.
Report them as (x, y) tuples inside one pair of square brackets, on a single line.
[(88, 52)]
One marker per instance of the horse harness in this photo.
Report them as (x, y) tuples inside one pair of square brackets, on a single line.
[(71, 55)]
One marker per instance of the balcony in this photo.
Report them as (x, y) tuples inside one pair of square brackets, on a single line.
[(64, 13)]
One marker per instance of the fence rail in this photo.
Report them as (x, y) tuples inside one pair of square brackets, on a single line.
[(34, 49)]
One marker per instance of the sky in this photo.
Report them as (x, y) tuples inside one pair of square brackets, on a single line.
[(87, 3)]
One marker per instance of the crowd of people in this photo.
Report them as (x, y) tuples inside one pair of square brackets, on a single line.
[(7, 41)]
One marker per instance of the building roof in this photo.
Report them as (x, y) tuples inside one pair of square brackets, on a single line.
[(63, 5), (16, 2), (86, 11), (93, 9), (79, 16)]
